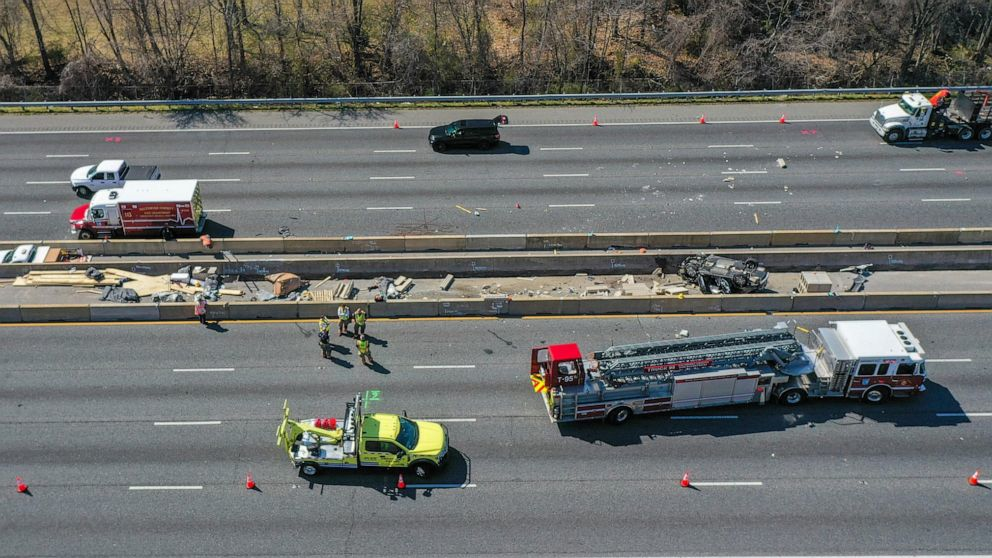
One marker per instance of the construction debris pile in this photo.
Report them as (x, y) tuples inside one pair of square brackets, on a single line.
[(119, 285)]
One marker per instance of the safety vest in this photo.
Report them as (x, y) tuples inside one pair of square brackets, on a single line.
[(325, 325), (344, 313), (363, 346), (360, 318)]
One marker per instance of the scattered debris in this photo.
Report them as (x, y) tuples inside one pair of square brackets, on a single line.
[(119, 294), (814, 282), (781, 163), (446, 283), (284, 283)]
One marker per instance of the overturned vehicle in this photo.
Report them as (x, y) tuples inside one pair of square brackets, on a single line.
[(719, 275)]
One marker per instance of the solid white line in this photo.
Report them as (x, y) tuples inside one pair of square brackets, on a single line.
[(218, 180), (758, 203), (571, 205), (948, 360), (945, 200), (394, 151), (969, 415), (740, 483), (66, 156), (27, 212), (217, 210), (203, 370), (391, 177), (561, 149), (463, 485), (580, 175), (935, 169), (745, 172), (396, 208), (165, 488), (432, 366), (723, 146), (703, 417), (452, 420), (49, 182), (230, 153), (187, 423)]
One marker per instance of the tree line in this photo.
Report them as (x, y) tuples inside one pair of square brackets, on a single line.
[(106, 49)]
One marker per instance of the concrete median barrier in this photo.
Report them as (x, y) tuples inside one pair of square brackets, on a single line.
[(443, 243), (55, 312), (557, 241), (691, 304), (124, 312), (259, 310), (878, 237), (255, 245), (756, 303), (733, 239), (176, 311), (901, 301), (365, 244), (615, 305), (823, 302), (10, 314), (803, 238), (960, 301), (910, 237), (468, 307), (404, 309), (527, 306), (482, 242), (666, 240), (975, 236), (297, 245), (314, 310)]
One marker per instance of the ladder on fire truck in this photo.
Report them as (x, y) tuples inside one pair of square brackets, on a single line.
[(659, 360)]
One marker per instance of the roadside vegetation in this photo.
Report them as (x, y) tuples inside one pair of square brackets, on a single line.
[(174, 49)]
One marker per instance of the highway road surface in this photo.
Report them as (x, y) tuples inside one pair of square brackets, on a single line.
[(135, 440), (652, 168)]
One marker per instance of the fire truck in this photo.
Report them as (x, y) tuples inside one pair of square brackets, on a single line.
[(870, 360)]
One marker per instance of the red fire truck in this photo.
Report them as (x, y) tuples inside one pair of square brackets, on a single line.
[(868, 360), (141, 208)]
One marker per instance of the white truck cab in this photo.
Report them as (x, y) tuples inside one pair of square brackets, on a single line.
[(907, 119)]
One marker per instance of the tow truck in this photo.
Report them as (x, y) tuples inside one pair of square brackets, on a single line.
[(870, 360), (966, 115), (364, 440)]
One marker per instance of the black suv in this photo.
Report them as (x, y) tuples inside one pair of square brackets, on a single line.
[(467, 133)]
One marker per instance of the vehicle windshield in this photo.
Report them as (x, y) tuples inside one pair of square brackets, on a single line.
[(905, 107), (449, 131), (91, 172), (8, 256), (408, 434)]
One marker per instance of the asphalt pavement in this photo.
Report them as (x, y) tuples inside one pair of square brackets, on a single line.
[(643, 169), (99, 419)]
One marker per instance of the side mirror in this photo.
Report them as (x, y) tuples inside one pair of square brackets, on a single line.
[(404, 414)]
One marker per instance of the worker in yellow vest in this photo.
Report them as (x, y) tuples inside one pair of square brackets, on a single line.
[(344, 316), (360, 318), (364, 351)]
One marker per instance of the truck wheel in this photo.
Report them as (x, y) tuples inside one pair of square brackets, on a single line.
[(422, 469), (984, 134), (892, 136), (440, 147), (86, 234), (84, 192), (619, 415), (875, 395), (792, 397), (309, 469), (965, 133)]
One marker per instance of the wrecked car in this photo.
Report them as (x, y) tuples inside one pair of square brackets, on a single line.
[(720, 275)]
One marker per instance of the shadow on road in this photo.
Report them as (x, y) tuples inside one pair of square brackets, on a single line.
[(206, 116), (904, 413), (217, 230), (946, 145), (456, 472), (503, 148)]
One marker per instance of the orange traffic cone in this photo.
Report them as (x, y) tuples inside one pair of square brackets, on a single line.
[(595, 120), (396, 124), (21, 487), (972, 480), (400, 484), (781, 119), (685, 480), (702, 119), (250, 482)]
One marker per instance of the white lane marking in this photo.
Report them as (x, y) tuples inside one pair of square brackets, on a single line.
[(432, 366), (394, 151), (946, 200), (934, 169), (27, 212), (730, 145), (427, 486), (452, 420), (187, 423), (165, 487), (968, 415), (203, 370), (49, 182), (229, 153), (571, 205), (218, 180), (577, 175), (703, 417), (388, 208), (680, 123), (758, 203), (561, 149), (217, 210), (948, 360), (79, 156), (727, 483), (391, 177), (745, 172)]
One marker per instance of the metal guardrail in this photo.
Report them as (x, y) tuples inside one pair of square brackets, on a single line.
[(481, 98)]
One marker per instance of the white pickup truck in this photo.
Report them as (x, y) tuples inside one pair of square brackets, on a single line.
[(109, 174)]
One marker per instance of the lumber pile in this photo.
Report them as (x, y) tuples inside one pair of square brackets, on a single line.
[(144, 285)]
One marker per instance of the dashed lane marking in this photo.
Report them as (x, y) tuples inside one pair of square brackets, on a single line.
[(571, 205), (67, 156), (728, 483), (394, 151), (561, 149), (48, 182), (218, 180), (933, 169), (729, 146), (403, 208), (429, 486), (575, 175), (27, 212), (213, 153), (745, 172), (173, 487), (203, 370), (945, 200), (452, 420), (948, 360), (437, 366), (187, 423), (703, 417), (391, 177), (757, 203)]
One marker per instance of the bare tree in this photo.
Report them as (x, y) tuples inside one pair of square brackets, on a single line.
[(50, 74)]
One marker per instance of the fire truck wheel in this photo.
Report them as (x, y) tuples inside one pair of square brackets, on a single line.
[(85, 234), (422, 469), (619, 415), (309, 469), (876, 395), (792, 397)]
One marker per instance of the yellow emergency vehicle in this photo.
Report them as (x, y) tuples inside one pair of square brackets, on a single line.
[(364, 440)]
